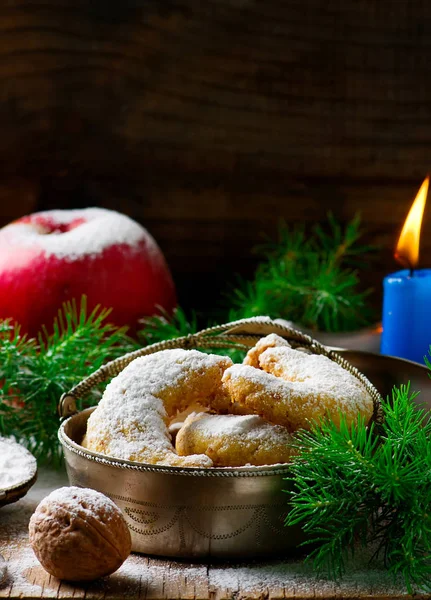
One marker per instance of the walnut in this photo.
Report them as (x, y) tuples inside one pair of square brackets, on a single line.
[(79, 534)]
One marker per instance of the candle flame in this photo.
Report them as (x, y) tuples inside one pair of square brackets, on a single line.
[(407, 250)]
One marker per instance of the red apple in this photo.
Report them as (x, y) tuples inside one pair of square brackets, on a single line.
[(58, 255)]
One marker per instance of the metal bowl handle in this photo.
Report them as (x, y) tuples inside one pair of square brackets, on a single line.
[(241, 335)]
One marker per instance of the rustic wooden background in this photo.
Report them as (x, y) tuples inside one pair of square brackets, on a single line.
[(210, 121)]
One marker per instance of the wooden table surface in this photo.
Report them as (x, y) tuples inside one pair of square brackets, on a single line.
[(149, 578)]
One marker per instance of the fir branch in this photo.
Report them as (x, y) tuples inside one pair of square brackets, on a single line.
[(353, 484), (342, 244), (289, 244), (34, 374), (308, 279)]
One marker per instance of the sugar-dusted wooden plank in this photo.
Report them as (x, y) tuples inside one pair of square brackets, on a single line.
[(49, 585), (201, 583), (124, 583), (155, 579), (276, 593), (174, 582), (223, 581), (69, 590), (181, 580), (172, 579)]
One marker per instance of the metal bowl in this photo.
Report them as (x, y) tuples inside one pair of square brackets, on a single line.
[(187, 513), (224, 513), (385, 372)]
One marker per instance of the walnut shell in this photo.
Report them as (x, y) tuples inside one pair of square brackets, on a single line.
[(79, 534)]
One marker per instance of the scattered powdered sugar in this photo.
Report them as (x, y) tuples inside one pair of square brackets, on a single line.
[(19, 568), (92, 230), (143, 577), (299, 577), (256, 579), (17, 464)]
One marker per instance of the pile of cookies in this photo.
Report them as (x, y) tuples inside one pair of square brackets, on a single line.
[(190, 409)]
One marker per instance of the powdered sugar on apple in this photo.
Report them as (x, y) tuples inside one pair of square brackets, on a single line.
[(91, 231)]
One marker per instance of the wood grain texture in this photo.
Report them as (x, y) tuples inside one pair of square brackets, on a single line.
[(207, 233), (330, 89), (210, 121), (143, 578)]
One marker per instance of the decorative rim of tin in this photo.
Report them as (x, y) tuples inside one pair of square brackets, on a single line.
[(239, 335), (254, 471)]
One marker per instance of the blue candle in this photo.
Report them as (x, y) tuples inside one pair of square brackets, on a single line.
[(407, 314), (407, 294)]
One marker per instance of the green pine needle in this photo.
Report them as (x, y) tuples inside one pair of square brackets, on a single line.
[(34, 374), (357, 485), (308, 279), (343, 244)]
